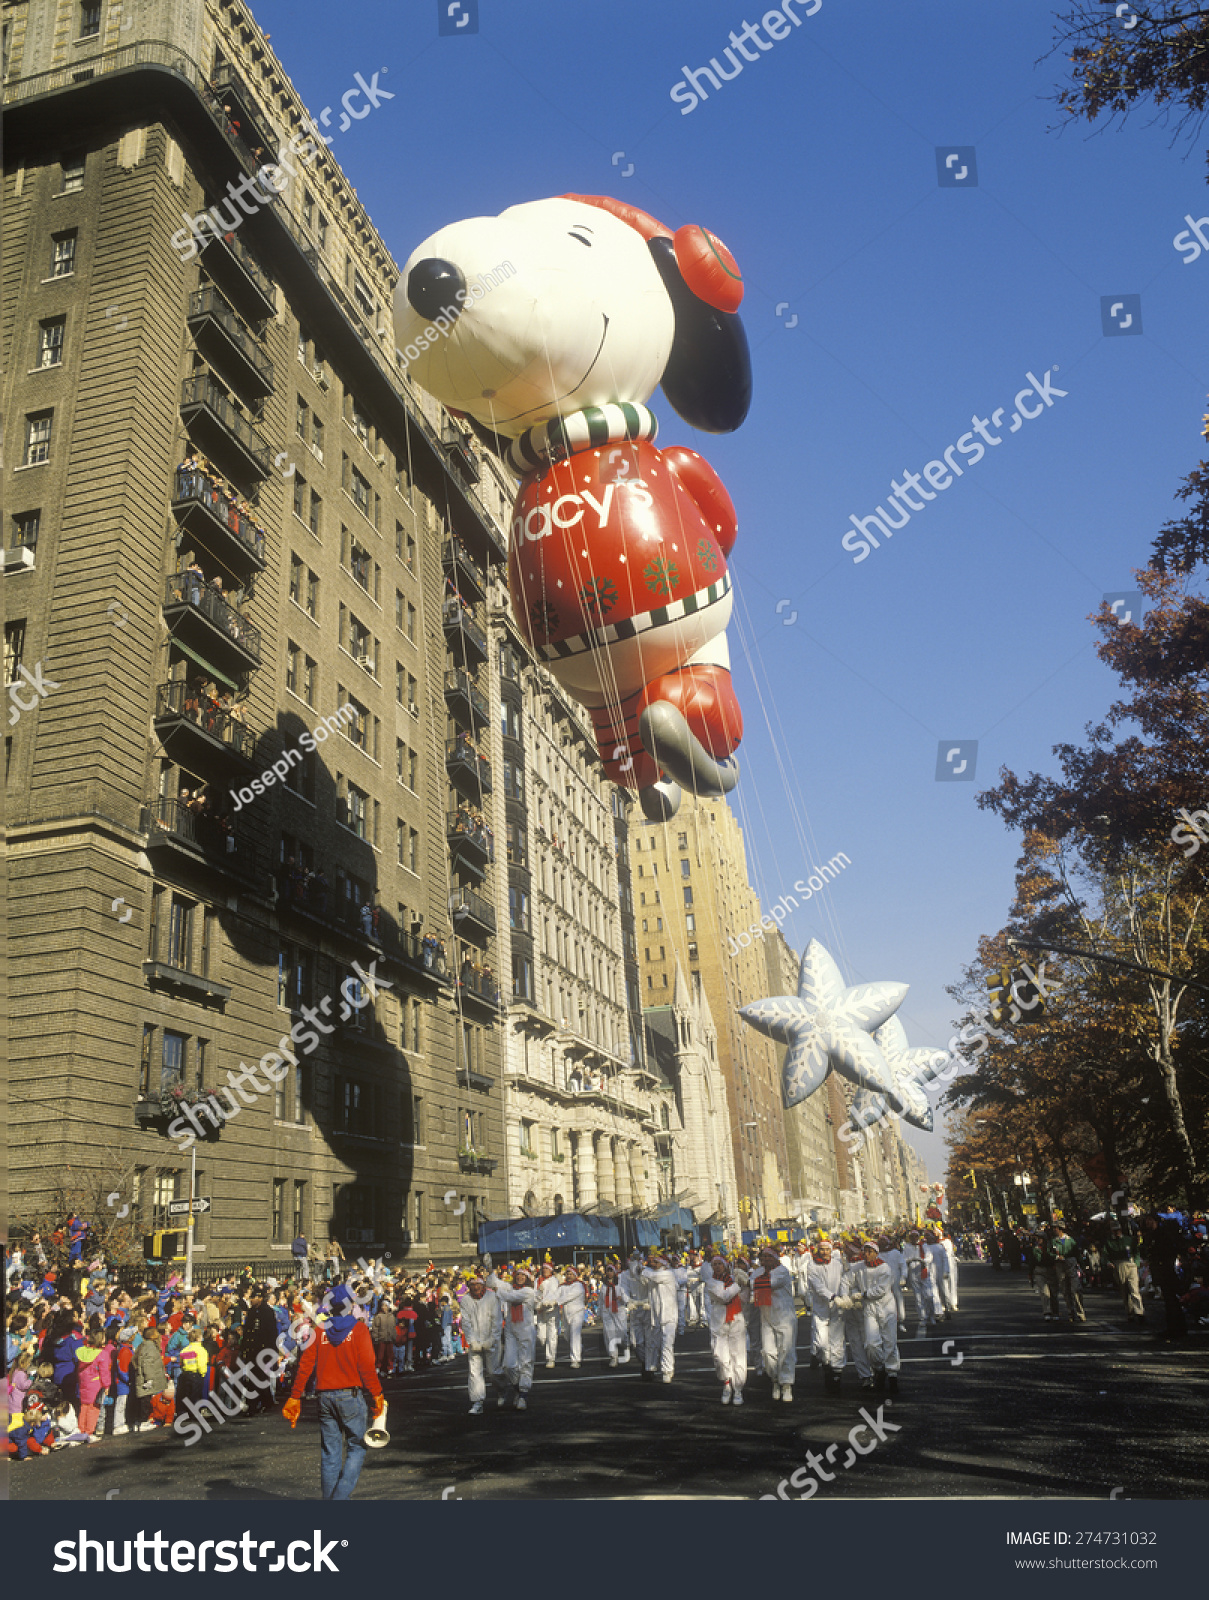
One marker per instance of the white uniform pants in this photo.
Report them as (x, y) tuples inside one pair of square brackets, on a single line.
[(616, 1332), (681, 1306), (661, 1346), (484, 1364), (546, 1324), (924, 1291), (517, 1365), (729, 1347), (900, 1305), (640, 1327), (778, 1336), (575, 1329), (854, 1333), (881, 1333), (829, 1331)]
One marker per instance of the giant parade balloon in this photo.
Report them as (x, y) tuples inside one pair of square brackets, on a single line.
[(550, 326)]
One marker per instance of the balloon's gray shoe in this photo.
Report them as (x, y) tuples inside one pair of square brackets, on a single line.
[(660, 801), (681, 756)]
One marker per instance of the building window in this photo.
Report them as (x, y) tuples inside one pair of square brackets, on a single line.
[(360, 492), (362, 295), (300, 496), (357, 729), (413, 852), (296, 570), (692, 951), (278, 1218), (410, 629), (412, 703), (417, 1119), (688, 895), (309, 672), (90, 19), (73, 175), (37, 437), (63, 254), (299, 1217), (180, 933), (361, 566), (317, 436), (418, 1217), (321, 230), (357, 802), (682, 841), (312, 596), (50, 342), (292, 654), (145, 1058), (314, 521), (685, 867), (360, 643), (522, 977), (26, 525), (690, 922), (172, 1060), (300, 418)]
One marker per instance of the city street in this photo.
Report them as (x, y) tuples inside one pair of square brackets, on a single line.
[(1012, 1408)]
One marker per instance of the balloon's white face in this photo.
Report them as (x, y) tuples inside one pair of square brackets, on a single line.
[(559, 306)]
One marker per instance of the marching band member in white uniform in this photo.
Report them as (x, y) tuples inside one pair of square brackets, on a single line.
[(725, 1299), (519, 1335), (772, 1291), (854, 1317), (574, 1303), (614, 1317), (660, 1284), (633, 1282), (823, 1281), (483, 1331), (545, 1311), (873, 1281)]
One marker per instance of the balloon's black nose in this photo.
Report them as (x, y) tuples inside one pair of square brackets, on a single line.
[(432, 287)]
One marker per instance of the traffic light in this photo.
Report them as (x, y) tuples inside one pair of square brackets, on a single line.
[(1028, 996), (1000, 986)]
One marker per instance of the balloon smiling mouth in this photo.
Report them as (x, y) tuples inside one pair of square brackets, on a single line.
[(557, 399)]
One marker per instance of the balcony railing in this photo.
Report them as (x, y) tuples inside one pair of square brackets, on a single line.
[(461, 449), (473, 836), (186, 703), (246, 279), (472, 1161), (458, 561), (204, 505), (461, 628), (466, 766), (478, 981), (227, 85), (202, 396), (471, 911), (207, 305), (190, 590), (213, 833), (460, 687)]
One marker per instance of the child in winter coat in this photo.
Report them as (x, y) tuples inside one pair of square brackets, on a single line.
[(95, 1374)]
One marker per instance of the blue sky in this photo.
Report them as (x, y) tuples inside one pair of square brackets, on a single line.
[(918, 308)]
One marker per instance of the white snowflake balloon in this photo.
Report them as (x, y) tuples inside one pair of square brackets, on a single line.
[(910, 1069), (827, 1026)]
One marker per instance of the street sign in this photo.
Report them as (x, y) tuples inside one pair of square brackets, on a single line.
[(180, 1208), (1029, 1210)]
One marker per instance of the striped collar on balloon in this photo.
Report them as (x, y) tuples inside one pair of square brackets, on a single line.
[(561, 437)]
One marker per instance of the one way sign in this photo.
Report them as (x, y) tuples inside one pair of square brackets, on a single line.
[(180, 1208)]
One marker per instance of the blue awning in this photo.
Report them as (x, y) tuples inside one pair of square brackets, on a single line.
[(570, 1230)]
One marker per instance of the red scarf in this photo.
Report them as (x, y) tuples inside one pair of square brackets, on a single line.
[(735, 1306), (762, 1290), (518, 1312), (611, 1297)]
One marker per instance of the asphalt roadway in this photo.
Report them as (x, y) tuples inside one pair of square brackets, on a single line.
[(999, 1405)]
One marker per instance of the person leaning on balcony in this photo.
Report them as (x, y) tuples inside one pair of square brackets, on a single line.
[(194, 580)]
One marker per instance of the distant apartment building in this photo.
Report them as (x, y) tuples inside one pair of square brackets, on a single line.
[(246, 569), (692, 892)]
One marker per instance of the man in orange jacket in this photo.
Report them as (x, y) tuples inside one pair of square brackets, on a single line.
[(341, 1355)]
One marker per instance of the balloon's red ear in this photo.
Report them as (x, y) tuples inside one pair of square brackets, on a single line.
[(708, 376)]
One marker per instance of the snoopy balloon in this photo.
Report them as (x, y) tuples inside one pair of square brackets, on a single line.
[(550, 326)]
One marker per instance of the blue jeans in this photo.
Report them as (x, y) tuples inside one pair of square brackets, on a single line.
[(343, 1419)]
